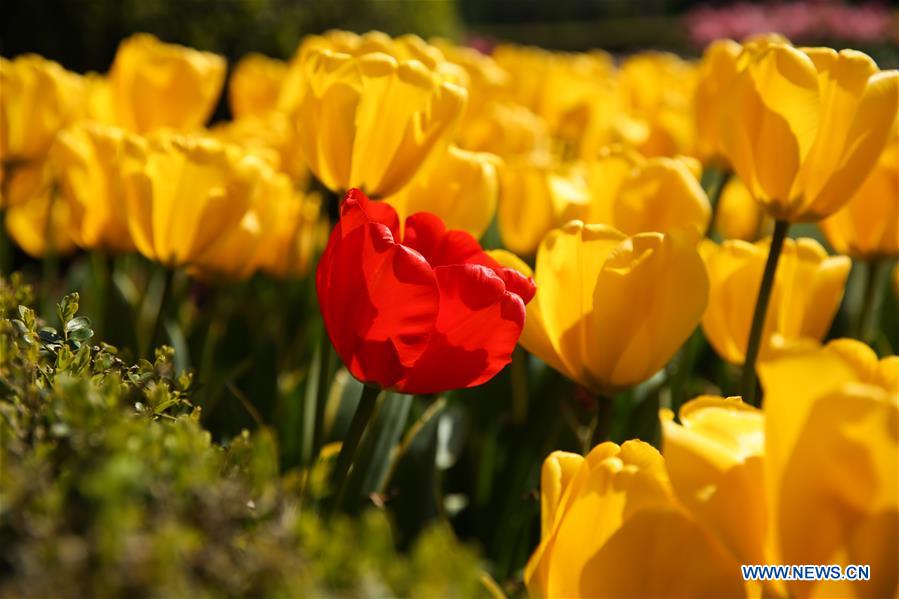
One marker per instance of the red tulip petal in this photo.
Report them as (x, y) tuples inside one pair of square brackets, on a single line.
[(379, 301), (522, 286), (477, 329), (426, 234), (356, 209)]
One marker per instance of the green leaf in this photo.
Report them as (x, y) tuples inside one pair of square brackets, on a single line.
[(376, 451), (49, 335), (414, 487), (68, 307), (81, 322)]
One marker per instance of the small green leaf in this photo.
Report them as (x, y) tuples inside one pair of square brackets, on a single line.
[(49, 335), (82, 322), (81, 334)]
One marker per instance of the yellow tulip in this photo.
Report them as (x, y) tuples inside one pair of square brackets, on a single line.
[(486, 79), (868, 226), (185, 194), (803, 127), (157, 85), (807, 292), (811, 480), (294, 234), (89, 159), (37, 98), (403, 49), (658, 89), (371, 121), (835, 406), (738, 215), (603, 316), (270, 136), (460, 187), (241, 249), (36, 218), (716, 69), (636, 195), (715, 457), (536, 195), (506, 129), (609, 514), (255, 85)]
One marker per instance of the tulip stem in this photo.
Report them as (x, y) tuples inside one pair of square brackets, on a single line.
[(761, 310), (156, 334), (350, 444), (602, 429), (869, 300), (714, 193)]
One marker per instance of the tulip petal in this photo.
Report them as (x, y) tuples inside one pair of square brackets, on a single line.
[(557, 471), (859, 106), (568, 266), (611, 485), (379, 301), (642, 276), (476, 330), (826, 515), (715, 460), (686, 561), (427, 234)]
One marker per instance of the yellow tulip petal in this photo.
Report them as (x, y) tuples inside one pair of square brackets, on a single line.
[(715, 460), (822, 514), (686, 561), (558, 470), (859, 106), (461, 187), (568, 266), (611, 485), (641, 276), (157, 85)]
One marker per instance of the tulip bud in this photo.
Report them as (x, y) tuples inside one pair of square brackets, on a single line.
[(371, 121), (37, 98), (36, 218), (715, 457), (424, 312), (716, 70), (604, 511), (603, 314), (535, 196), (834, 405), (738, 215), (658, 90), (460, 187), (183, 194), (255, 85), (807, 292), (828, 115), (89, 159), (155, 85), (637, 195), (867, 227)]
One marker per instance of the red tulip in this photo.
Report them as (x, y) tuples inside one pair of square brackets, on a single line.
[(429, 313)]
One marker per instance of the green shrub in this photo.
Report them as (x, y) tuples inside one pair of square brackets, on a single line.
[(109, 486)]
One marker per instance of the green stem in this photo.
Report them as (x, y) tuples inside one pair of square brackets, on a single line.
[(350, 444), (869, 301), (715, 199), (605, 411), (761, 310), (325, 355), (157, 332)]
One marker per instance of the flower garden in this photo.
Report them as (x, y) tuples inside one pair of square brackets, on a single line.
[(420, 319)]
